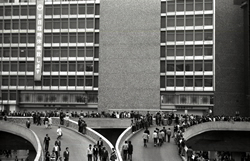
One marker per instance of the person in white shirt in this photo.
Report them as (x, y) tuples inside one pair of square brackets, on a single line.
[(59, 132), (155, 137), (90, 152)]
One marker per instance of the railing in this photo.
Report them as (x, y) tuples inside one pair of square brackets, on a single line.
[(26, 134)]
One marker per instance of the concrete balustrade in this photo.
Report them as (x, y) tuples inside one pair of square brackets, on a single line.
[(215, 126), (25, 133)]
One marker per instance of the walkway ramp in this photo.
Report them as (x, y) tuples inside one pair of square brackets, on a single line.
[(167, 152), (77, 143)]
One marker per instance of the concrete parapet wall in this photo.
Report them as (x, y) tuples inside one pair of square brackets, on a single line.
[(13, 128), (216, 126)]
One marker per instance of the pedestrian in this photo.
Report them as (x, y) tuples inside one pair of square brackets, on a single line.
[(89, 152), (53, 156), (169, 134), (105, 154), (58, 142), (155, 137), (189, 153), (99, 145), (38, 119), (95, 153), (113, 156), (49, 122), (165, 132), (28, 123), (47, 156), (46, 142), (56, 150), (84, 127), (67, 119), (46, 122), (66, 154), (125, 150), (145, 137), (59, 132), (130, 151)]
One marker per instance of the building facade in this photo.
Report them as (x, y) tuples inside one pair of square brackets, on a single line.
[(117, 55)]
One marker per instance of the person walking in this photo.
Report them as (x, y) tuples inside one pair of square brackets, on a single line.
[(49, 122), (95, 153), (105, 154), (46, 122), (99, 145), (145, 137), (66, 154), (169, 134), (90, 152), (56, 150), (155, 137), (58, 142), (125, 150), (59, 132), (28, 123), (113, 156), (46, 142), (130, 151)]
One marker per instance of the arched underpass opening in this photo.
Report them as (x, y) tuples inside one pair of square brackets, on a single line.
[(13, 146), (111, 134)]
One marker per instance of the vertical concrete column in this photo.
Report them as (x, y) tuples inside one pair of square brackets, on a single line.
[(129, 61)]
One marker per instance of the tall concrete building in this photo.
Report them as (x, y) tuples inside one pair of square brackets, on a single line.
[(174, 55)]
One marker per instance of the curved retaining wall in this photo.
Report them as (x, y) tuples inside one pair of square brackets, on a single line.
[(215, 126), (24, 133)]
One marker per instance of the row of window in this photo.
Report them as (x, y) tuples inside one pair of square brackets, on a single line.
[(58, 97), (64, 9), (187, 35), (187, 99), (55, 66), (18, 24), (85, 37), (72, 9), (188, 50), (187, 65), (186, 81), (14, 66), (72, 23), (18, 38), (72, 52), (50, 81), (17, 52), (186, 5), (50, 52), (22, 10), (187, 20), (70, 66)]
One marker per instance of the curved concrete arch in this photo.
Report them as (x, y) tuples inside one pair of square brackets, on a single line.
[(26, 134), (216, 126)]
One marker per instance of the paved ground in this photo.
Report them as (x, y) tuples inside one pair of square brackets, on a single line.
[(167, 152), (77, 143)]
